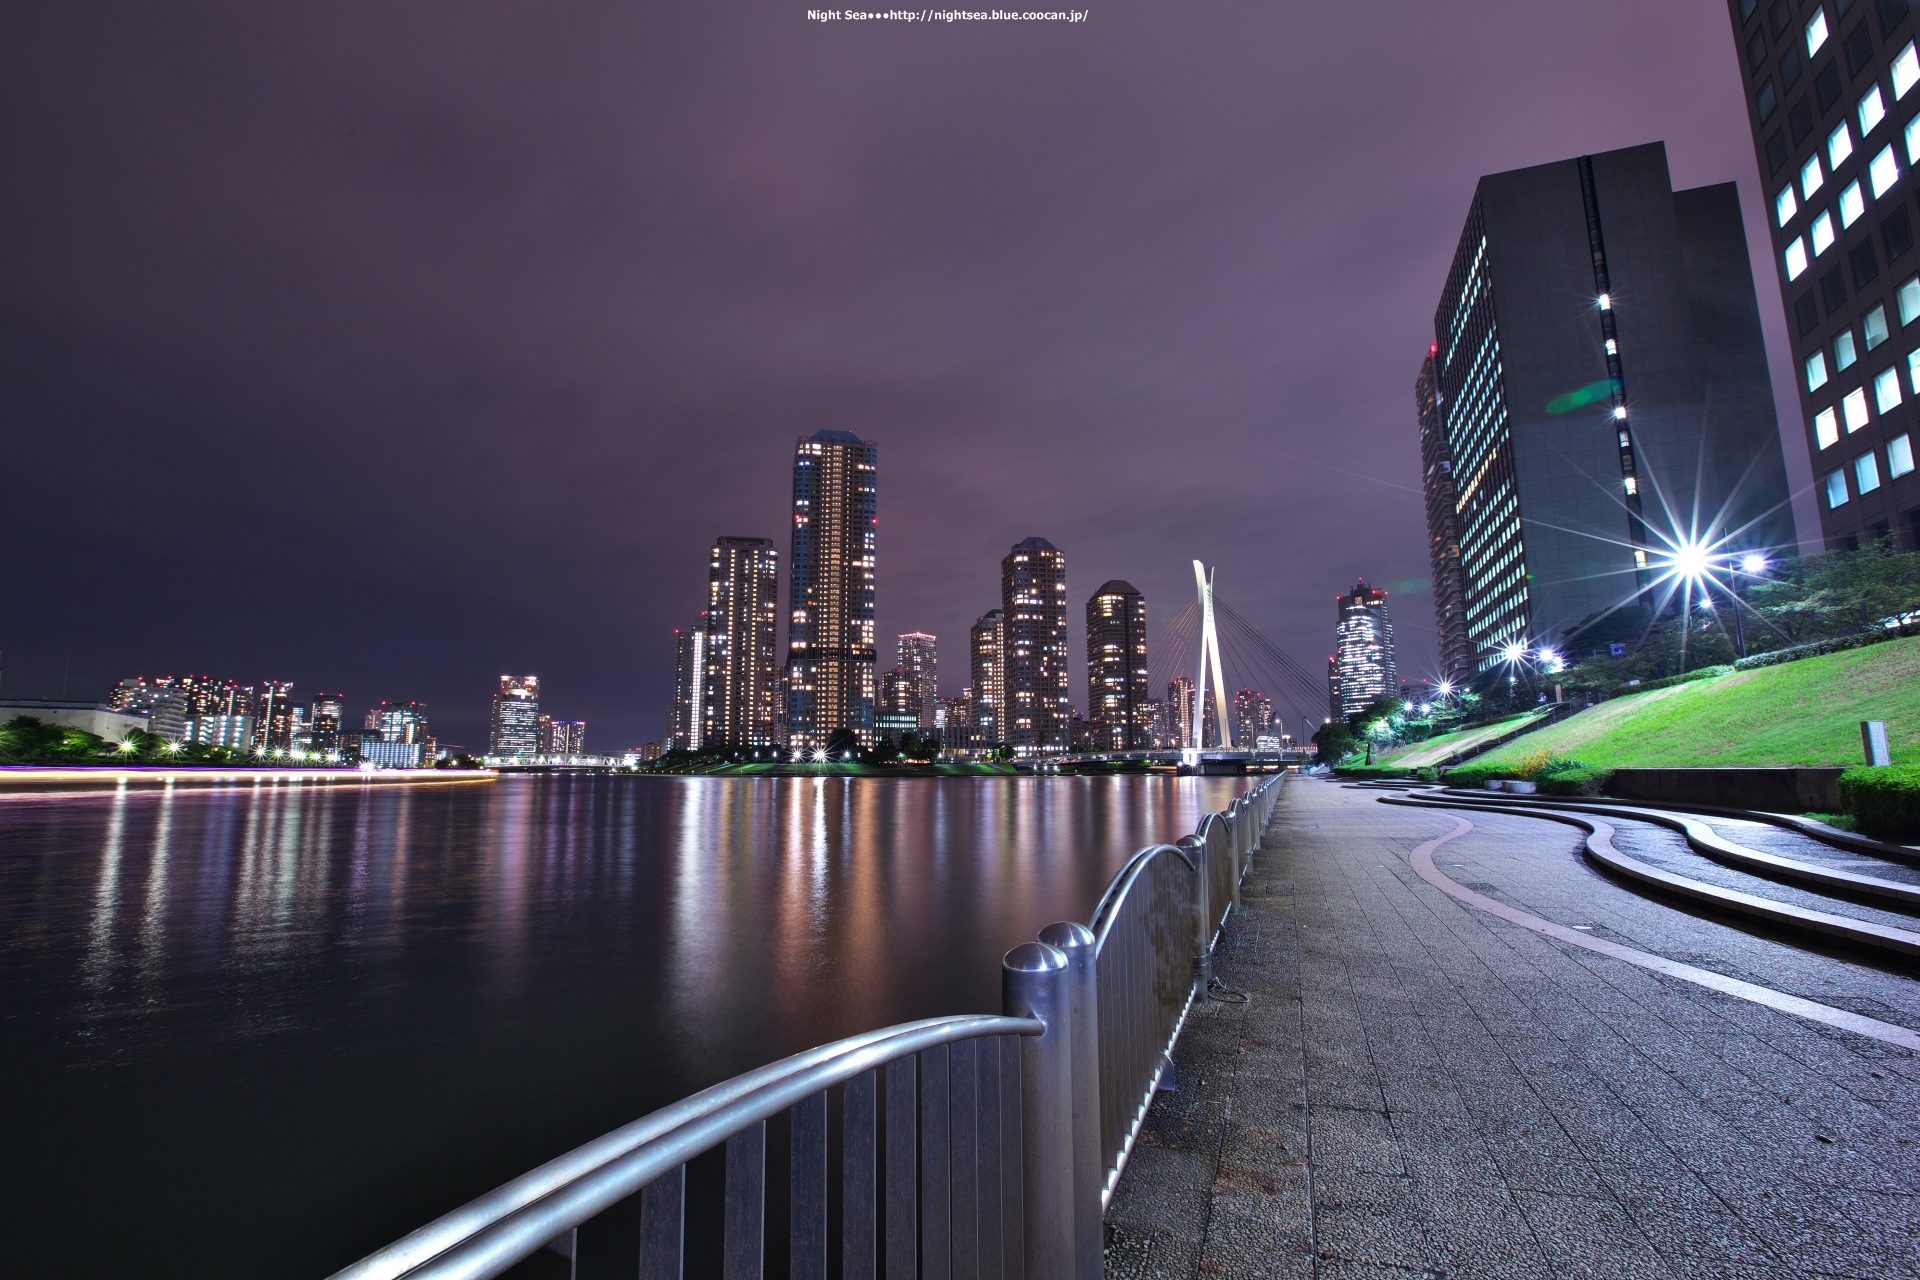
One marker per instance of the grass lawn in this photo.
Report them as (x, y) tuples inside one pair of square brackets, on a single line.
[(1805, 712), (1417, 754)]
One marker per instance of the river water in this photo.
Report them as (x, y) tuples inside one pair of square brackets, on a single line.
[(259, 1031)]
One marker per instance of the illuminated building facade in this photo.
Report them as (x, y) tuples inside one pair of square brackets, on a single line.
[(274, 719), (324, 715), (1119, 699), (1033, 605), (899, 713), (740, 659), (1831, 97), (988, 643), (562, 737), (919, 657), (956, 733), (1443, 528), (1179, 713), (685, 722), (1363, 651), (1252, 717), (1599, 374), (830, 637), (1336, 710), (515, 731)]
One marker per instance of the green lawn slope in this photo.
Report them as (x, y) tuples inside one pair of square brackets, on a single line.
[(1437, 748), (1805, 712)]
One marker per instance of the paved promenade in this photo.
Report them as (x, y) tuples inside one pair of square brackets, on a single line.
[(1417, 1087)]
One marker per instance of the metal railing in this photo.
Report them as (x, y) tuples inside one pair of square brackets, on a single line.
[(967, 1146)]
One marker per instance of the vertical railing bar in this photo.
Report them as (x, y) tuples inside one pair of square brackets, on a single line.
[(858, 1187), (663, 1217), (936, 1168), (988, 1144), (902, 1168), (1013, 1248), (808, 1195), (743, 1247), (963, 1124)]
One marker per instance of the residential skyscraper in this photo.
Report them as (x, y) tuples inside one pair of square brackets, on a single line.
[(273, 718), (685, 723), (958, 732), (324, 715), (899, 712), (1600, 374), (1119, 699), (1252, 718), (1179, 705), (1830, 97), (988, 641), (1364, 649), (920, 659), (562, 737), (516, 718), (741, 667), (1033, 602), (830, 638), (1443, 527)]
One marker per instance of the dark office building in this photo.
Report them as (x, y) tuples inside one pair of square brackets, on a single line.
[(1119, 699), (1443, 529), (1601, 378), (1836, 127)]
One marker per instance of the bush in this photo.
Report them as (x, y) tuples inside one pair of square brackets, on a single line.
[(1577, 781), (1667, 682), (1838, 644), (1883, 800), (1475, 776), (1373, 771)]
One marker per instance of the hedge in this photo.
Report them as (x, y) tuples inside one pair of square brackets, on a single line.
[(1839, 644), (1578, 781), (1372, 771), (1667, 682), (1475, 776), (1884, 800)]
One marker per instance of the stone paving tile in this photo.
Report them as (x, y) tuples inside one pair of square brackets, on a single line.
[(1416, 1088)]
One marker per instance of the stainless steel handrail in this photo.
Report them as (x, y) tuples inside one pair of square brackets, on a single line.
[(1098, 1010)]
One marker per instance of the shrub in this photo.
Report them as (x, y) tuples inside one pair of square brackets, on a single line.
[(1476, 775), (1884, 800), (1373, 771), (1541, 763), (1577, 781), (1838, 644), (1699, 673)]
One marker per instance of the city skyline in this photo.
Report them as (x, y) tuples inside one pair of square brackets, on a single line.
[(665, 372)]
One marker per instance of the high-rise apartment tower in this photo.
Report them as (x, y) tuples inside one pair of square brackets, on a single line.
[(1119, 698), (1832, 101), (920, 659), (741, 670), (1363, 656), (988, 641), (1033, 600), (1599, 373), (830, 638), (515, 731)]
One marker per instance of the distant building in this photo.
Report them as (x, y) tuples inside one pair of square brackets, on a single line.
[(1443, 528), (1119, 697), (1835, 139), (165, 706), (988, 643), (830, 637), (562, 737), (1164, 736), (920, 658), (1599, 370), (685, 723), (648, 751), (899, 705), (1033, 600), (378, 751), (741, 665), (273, 717), (99, 718), (1336, 708), (516, 718), (1364, 651), (401, 721), (324, 715), (235, 732), (1179, 712), (957, 734), (1252, 717)]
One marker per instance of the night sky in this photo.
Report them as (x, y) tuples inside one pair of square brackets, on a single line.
[(389, 347)]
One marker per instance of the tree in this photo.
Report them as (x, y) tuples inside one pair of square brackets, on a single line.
[(841, 742), (1335, 741), (884, 752)]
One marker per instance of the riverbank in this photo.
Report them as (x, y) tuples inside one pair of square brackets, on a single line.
[(854, 769), (21, 778)]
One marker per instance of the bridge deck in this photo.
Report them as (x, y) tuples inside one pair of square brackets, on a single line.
[(1419, 1088)]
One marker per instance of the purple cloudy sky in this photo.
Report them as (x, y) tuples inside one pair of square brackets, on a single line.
[(388, 347)]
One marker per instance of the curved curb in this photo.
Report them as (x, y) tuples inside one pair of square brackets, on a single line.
[(1885, 939), (1791, 821), (1772, 866), (1872, 1028)]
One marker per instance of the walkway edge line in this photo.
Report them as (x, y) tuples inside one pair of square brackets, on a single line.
[(1423, 866)]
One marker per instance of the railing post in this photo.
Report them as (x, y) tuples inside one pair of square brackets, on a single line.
[(1034, 984), (1076, 942), (1196, 847)]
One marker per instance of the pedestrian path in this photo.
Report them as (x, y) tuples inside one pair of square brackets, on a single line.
[(1417, 1086)]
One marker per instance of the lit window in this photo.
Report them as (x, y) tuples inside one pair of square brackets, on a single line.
[(1836, 489), (1843, 352), (1886, 389), (1883, 172), (1613, 348), (1633, 484), (1816, 371), (1785, 206), (1913, 140), (1796, 258), (1909, 299), (1606, 302), (1810, 177), (1822, 233), (1839, 146), (1816, 31), (1899, 456), (1639, 559), (1906, 71), (1874, 326), (1853, 203), (1854, 409), (1872, 110), (1825, 430), (1866, 473), (1620, 412)]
